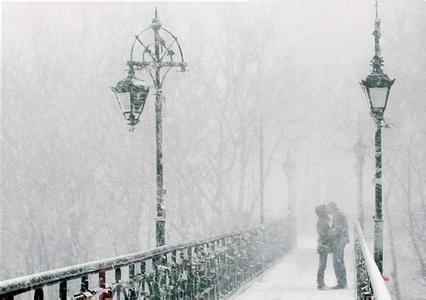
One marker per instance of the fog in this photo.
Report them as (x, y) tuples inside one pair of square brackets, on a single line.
[(77, 186)]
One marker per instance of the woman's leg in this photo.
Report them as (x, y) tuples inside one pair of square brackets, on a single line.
[(321, 269)]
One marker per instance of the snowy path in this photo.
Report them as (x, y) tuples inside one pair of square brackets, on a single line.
[(294, 277)]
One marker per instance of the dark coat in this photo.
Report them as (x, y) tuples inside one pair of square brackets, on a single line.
[(323, 230), (339, 230)]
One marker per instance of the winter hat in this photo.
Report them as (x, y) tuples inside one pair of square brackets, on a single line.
[(321, 210)]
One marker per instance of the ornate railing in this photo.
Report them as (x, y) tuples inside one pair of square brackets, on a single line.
[(207, 269), (369, 281)]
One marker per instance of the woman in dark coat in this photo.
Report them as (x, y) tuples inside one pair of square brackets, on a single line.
[(323, 230)]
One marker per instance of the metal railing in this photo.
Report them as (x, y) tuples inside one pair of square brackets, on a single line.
[(369, 281), (205, 269)]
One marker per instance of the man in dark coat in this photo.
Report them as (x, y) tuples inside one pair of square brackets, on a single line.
[(339, 238), (323, 230)]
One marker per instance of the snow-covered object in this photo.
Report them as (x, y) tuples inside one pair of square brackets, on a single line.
[(377, 283), (39, 280)]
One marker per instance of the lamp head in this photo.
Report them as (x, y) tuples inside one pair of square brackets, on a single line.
[(377, 87), (131, 94)]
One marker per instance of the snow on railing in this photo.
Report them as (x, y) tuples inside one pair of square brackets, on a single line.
[(369, 280), (200, 269)]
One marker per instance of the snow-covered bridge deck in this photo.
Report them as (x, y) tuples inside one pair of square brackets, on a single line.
[(294, 277)]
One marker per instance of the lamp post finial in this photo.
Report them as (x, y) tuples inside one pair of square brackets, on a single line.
[(377, 60), (377, 8), (156, 24)]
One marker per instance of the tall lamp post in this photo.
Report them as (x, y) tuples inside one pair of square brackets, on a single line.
[(377, 86), (153, 58)]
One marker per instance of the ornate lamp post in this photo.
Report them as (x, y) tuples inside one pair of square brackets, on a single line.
[(377, 86), (154, 58)]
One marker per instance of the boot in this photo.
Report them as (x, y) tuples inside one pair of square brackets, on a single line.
[(322, 286)]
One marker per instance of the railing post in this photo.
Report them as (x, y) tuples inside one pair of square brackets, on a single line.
[(173, 275), (63, 290), (190, 290), (196, 272), (84, 283), (117, 280), (224, 268), (105, 294), (164, 275), (38, 294), (132, 293), (143, 273), (131, 271), (183, 275), (156, 261), (213, 268)]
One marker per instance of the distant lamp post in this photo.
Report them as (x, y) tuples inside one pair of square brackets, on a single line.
[(152, 58), (289, 170), (262, 175), (377, 86), (360, 148)]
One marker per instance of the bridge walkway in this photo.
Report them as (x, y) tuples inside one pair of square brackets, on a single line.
[(294, 277)]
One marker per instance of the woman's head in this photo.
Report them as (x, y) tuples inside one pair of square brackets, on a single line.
[(321, 210)]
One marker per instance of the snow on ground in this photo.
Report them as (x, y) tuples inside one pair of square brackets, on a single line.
[(294, 277)]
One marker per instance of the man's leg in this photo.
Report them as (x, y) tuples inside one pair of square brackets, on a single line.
[(321, 269), (339, 266), (343, 267)]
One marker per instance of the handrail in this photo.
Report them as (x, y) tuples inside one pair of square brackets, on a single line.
[(33, 281), (215, 266), (365, 261)]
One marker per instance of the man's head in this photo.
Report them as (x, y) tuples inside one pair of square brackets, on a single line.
[(331, 207)]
